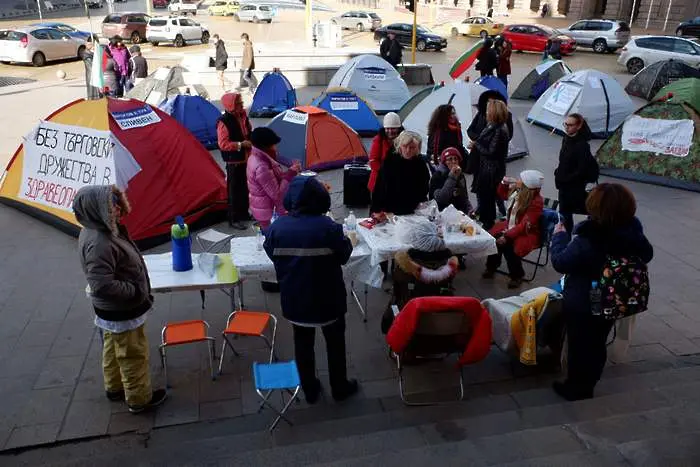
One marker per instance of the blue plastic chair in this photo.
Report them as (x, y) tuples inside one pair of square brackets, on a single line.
[(270, 377)]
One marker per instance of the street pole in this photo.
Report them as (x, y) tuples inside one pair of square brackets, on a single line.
[(634, 5), (38, 4), (413, 39), (308, 21), (646, 26), (149, 7), (668, 11)]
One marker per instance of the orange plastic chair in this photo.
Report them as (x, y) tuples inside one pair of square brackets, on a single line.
[(186, 332), (248, 323)]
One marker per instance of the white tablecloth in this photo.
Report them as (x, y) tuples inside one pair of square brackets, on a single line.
[(164, 279), (384, 242)]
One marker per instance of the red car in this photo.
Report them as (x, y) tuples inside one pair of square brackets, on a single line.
[(533, 38), (160, 3)]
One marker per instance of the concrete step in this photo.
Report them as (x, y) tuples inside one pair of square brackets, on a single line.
[(367, 428)]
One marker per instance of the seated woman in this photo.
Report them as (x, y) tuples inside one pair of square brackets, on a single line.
[(449, 184), (424, 270), (403, 179), (519, 233)]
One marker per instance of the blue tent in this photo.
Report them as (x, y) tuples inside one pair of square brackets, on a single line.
[(196, 114), (493, 83), (351, 109), (273, 96)]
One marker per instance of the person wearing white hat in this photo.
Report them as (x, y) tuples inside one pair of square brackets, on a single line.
[(519, 233), (382, 145)]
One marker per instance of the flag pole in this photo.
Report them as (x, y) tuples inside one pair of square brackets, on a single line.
[(413, 38)]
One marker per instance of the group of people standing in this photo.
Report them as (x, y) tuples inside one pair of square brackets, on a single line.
[(122, 68), (247, 65), (494, 57)]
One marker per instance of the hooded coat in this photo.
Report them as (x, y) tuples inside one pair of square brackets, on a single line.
[(267, 186), (582, 258), (570, 175), (114, 268), (308, 249), (232, 128)]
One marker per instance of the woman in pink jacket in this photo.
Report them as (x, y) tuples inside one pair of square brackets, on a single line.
[(267, 181)]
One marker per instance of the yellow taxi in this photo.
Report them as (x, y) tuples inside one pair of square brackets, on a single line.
[(224, 8), (477, 26)]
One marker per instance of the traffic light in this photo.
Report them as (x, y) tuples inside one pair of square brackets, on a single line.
[(410, 5)]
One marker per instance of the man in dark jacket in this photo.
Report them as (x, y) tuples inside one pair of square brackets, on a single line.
[(308, 249), (487, 61), (390, 50), (139, 65), (120, 291), (233, 130)]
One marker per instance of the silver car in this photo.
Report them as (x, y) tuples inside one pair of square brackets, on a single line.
[(38, 45), (358, 20), (602, 35)]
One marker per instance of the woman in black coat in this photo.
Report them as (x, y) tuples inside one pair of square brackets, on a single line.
[(612, 229), (570, 177), (492, 146), (444, 131), (487, 61)]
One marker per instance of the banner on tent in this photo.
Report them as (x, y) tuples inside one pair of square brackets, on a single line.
[(563, 97), (136, 118), (667, 137), (344, 103), (295, 117), (374, 74)]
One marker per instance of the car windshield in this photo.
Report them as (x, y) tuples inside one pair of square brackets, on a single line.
[(264, 8), (11, 35), (158, 22), (550, 31), (374, 16), (423, 29)]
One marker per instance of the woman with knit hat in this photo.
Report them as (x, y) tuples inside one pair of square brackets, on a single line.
[(519, 233), (382, 145), (448, 184)]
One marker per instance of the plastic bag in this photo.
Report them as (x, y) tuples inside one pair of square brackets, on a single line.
[(208, 263), (422, 235), (451, 215), (426, 209)]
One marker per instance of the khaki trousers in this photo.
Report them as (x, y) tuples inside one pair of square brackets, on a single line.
[(125, 365)]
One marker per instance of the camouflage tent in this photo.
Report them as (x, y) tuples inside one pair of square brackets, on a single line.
[(647, 83), (658, 168)]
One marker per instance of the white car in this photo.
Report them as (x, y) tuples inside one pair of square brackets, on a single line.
[(358, 20), (175, 30), (255, 13), (641, 51), (178, 6), (38, 45)]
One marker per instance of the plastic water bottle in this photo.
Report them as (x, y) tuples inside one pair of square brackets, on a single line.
[(596, 296), (274, 216), (260, 238), (181, 245), (351, 222)]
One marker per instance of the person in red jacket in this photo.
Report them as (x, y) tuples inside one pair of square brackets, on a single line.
[(504, 49), (382, 145), (519, 233)]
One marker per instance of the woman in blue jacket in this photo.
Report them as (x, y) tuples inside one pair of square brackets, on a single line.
[(308, 250), (611, 229)]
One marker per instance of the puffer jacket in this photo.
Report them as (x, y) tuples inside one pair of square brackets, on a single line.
[(380, 148), (113, 265), (570, 174), (121, 56), (267, 185), (526, 235), (308, 250)]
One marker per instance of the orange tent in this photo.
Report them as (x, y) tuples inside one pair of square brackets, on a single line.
[(318, 139)]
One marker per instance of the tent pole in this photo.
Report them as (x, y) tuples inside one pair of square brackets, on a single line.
[(668, 11), (651, 4), (607, 108)]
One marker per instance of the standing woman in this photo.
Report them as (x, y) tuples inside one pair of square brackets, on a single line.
[(444, 131), (504, 49), (570, 177), (382, 145), (611, 230), (487, 61), (121, 57), (492, 146), (221, 61), (110, 73)]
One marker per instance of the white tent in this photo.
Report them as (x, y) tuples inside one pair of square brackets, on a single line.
[(374, 80), (598, 97), (462, 95)]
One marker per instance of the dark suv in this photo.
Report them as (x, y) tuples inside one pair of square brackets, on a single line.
[(128, 25), (425, 38), (689, 28)]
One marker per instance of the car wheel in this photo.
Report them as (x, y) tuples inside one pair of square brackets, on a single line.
[(455, 32), (236, 17), (205, 37), (420, 46), (360, 27), (39, 59), (269, 21), (155, 44), (483, 34), (179, 41), (135, 37), (679, 32), (600, 46), (81, 52), (634, 65)]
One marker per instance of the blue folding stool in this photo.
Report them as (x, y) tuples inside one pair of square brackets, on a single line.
[(281, 376)]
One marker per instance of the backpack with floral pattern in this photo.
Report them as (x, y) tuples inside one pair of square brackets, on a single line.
[(623, 286)]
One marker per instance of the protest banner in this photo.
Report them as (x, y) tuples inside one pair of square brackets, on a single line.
[(666, 137)]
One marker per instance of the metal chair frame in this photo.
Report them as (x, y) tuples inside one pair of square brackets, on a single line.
[(280, 413), (162, 349), (227, 342)]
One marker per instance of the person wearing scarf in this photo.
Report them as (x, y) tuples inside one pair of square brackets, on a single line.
[(233, 132), (448, 185), (444, 131)]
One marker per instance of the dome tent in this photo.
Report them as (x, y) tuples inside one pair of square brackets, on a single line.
[(274, 95), (163, 168), (351, 109), (660, 143), (591, 93), (196, 114), (647, 83), (164, 83), (374, 80), (416, 99), (494, 84), (540, 79)]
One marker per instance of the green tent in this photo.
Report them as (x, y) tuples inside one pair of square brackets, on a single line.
[(679, 100), (417, 99)]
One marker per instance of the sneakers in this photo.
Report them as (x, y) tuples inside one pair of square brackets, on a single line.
[(116, 396), (350, 389), (157, 399)]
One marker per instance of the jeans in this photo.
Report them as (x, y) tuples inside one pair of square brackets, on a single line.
[(587, 353), (125, 365), (237, 183), (304, 340), (514, 262)]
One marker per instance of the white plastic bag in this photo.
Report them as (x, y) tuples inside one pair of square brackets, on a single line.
[(451, 215)]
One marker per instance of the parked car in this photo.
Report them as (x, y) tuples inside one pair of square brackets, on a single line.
[(224, 8), (689, 28), (641, 51), (38, 45), (255, 13), (533, 38), (359, 20), (179, 6), (425, 38), (602, 35), (160, 3), (70, 30), (128, 25), (476, 26), (94, 3), (176, 30)]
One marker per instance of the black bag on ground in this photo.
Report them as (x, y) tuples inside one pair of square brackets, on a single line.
[(355, 180)]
